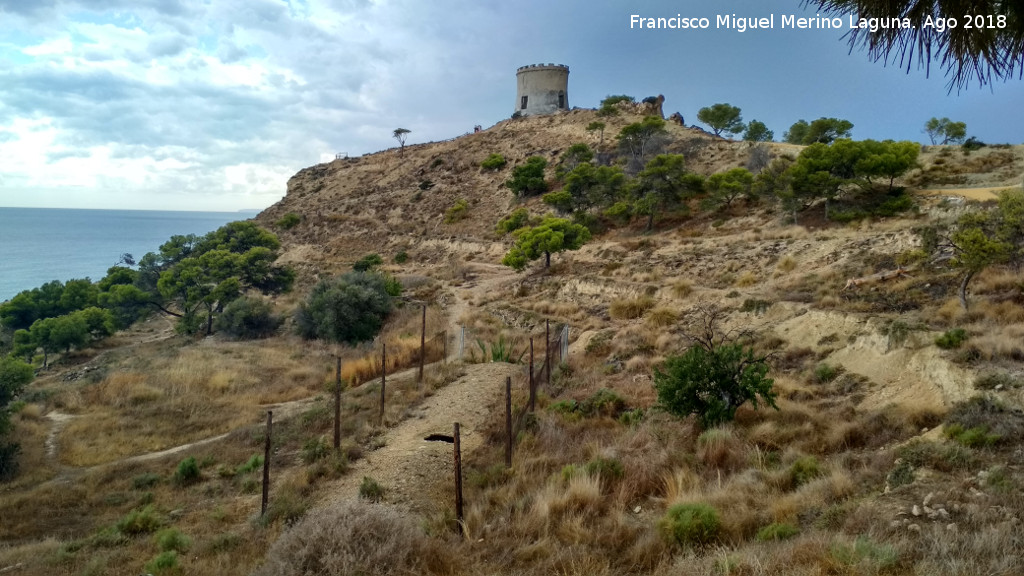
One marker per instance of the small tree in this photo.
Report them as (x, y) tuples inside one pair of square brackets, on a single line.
[(528, 179), (826, 130), (494, 162), (638, 139), (662, 185), (248, 318), (551, 235), (401, 134), (945, 131), (757, 131), (724, 188), (14, 376), (715, 376), (722, 118)]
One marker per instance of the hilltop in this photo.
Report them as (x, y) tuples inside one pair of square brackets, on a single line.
[(880, 458)]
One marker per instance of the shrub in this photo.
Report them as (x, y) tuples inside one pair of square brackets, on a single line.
[(607, 468), (147, 480), (712, 384), (777, 531), (164, 563), (987, 416), (864, 553), (255, 462), (803, 470), (528, 179), (976, 437), (824, 373), (140, 521), (951, 339), (972, 144), (356, 538), (690, 524), (371, 490), (519, 218), (456, 212), (347, 309), (756, 306), (613, 100), (170, 539), (315, 449), (368, 262), (248, 318), (402, 257), (288, 221), (604, 402), (187, 472), (494, 162)]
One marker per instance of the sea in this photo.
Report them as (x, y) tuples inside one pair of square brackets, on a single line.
[(38, 245)]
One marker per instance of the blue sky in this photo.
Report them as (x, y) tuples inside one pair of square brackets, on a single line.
[(214, 104)]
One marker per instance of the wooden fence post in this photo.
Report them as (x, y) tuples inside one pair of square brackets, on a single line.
[(423, 345), (508, 421), (533, 386), (337, 407), (266, 464), (547, 352), (458, 481), (383, 378)]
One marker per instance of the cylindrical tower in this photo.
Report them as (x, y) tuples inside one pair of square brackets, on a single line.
[(542, 89)]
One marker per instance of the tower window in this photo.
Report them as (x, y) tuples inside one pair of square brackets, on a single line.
[(561, 99), (523, 106)]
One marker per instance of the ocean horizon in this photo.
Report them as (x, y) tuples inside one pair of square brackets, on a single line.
[(38, 245)]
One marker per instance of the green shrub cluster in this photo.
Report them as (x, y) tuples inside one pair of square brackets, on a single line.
[(248, 318), (494, 162), (288, 221), (951, 339), (690, 524)]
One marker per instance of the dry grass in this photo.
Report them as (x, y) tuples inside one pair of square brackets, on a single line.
[(630, 308), (662, 317), (786, 265), (746, 280)]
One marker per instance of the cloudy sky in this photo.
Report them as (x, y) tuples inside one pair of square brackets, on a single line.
[(214, 104)]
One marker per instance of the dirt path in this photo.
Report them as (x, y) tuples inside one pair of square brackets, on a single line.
[(980, 194), (416, 473)]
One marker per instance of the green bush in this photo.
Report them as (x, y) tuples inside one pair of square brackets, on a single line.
[(170, 539), (315, 449), (187, 472), (140, 521), (713, 384), (288, 221), (803, 470), (976, 437), (519, 218), (494, 162), (867, 554), (613, 100), (825, 373), (248, 318), (607, 468), (402, 257), (604, 402), (255, 462), (756, 306), (147, 480), (528, 179), (368, 262), (371, 490), (164, 563), (456, 212), (777, 531), (690, 524), (951, 339), (348, 309)]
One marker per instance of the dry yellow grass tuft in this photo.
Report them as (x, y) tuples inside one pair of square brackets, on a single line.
[(630, 308)]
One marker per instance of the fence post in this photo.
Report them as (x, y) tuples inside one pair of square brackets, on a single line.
[(423, 345), (458, 481), (547, 353), (444, 348), (383, 379), (533, 387), (266, 464), (462, 341), (508, 421), (337, 407)]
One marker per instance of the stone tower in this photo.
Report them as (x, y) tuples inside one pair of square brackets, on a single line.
[(542, 89)]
